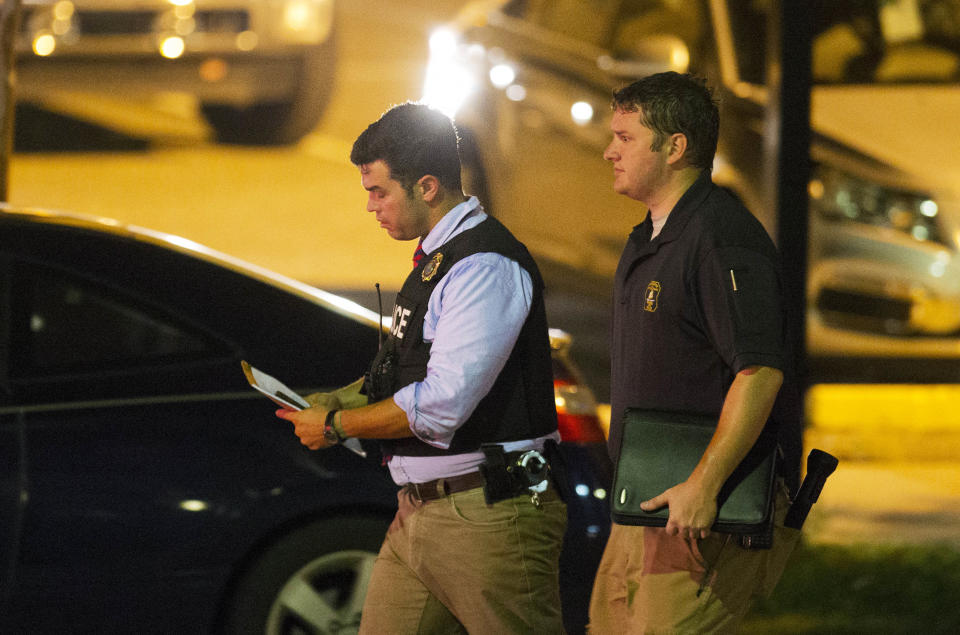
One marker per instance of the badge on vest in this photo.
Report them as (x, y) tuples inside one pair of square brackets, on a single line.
[(431, 268), (652, 296)]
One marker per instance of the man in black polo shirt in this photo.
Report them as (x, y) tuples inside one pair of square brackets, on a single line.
[(697, 327)]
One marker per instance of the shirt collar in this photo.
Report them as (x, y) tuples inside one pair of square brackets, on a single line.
[(681, 212), (686, 206), (447, 227)]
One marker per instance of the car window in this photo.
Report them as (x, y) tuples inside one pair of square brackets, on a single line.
[(67, 324), (861, 42)]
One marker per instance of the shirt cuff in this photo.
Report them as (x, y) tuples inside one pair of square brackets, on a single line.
[(745, 360), (406, 400)]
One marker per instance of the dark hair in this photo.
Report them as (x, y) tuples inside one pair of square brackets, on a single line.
[(671, 102), (413, 140)]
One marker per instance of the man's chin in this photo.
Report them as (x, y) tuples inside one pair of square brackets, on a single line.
[(624, 190)]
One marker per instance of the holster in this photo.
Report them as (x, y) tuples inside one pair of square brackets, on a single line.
[(498, 482), (505, 476)]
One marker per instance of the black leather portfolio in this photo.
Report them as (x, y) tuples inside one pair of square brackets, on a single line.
[(661, 449)]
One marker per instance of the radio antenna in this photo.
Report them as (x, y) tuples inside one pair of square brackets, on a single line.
[(380, 312)]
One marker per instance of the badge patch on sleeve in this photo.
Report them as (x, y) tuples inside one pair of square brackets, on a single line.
[(652, 296)]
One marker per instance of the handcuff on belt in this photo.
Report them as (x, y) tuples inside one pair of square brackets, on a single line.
[(509, 474)]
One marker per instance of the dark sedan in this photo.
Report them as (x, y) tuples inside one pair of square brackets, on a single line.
[(144, 487)]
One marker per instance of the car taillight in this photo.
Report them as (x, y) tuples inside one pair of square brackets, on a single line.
[(576, 413)]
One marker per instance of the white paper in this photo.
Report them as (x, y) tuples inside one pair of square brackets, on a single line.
[(280, 394)]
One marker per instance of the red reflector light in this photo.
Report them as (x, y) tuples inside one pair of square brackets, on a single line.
[(579, 428), (576, 413)]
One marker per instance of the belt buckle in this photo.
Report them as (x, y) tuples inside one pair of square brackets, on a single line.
[(430, 490), (416, 491)]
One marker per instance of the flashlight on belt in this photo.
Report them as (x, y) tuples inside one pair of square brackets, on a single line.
[(820, 465)]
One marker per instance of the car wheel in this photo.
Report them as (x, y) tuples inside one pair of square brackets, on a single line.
[(313, 580), (284, 122)]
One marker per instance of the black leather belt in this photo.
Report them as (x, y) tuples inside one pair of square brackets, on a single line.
[(432, 490)]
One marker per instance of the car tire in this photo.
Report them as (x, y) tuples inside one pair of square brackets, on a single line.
[(312, 580), (284, 122)]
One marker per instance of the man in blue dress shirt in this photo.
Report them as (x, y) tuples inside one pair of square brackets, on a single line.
[(461, 389)]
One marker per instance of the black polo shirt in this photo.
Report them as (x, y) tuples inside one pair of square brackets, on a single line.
[(694, 306)]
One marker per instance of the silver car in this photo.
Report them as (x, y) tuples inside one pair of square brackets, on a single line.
[(530, 83), (261, 70)]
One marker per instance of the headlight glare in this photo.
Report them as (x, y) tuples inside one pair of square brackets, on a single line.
[(502, 75), (581, 112), (837, 195), (451, 77), (443, 42), (307, 21)]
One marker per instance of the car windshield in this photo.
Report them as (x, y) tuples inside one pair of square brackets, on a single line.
[(862, 41)]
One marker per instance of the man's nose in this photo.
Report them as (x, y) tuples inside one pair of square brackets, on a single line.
[(610, 153)]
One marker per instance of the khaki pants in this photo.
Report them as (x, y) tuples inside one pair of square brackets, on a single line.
[(651, 582), (457, 565)]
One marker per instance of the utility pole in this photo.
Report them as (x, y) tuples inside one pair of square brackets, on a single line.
[(787, 155), (9, 25)]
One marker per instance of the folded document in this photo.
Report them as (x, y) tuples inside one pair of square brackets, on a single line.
[(283, 396)]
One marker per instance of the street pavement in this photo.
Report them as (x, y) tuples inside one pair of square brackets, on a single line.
[(899, 479), (889, 502)]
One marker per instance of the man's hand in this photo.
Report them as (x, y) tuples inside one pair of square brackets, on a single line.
[(307, 425), (692, 510), (344, 398), (693, 503)]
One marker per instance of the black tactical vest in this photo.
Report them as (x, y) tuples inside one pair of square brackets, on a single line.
[(521, 403)]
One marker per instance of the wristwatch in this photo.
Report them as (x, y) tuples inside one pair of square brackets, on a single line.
[(338, 425), (330, 435)]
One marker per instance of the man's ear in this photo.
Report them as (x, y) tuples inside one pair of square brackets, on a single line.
[(428, 188), (677, 147)]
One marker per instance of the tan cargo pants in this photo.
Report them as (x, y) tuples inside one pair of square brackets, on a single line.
[(651, 582), (458, 565)]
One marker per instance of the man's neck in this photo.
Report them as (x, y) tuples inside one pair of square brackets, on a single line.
[(672, 191), (446, 203)]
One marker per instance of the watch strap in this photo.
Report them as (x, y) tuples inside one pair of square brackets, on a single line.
[(329, 432), (338, 426)]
